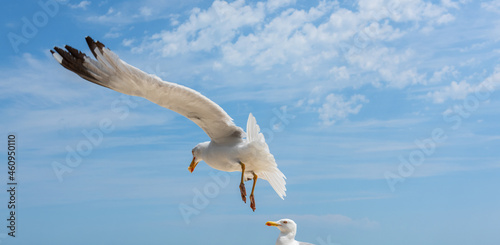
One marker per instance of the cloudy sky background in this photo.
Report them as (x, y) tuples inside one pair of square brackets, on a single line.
[(382, 114)]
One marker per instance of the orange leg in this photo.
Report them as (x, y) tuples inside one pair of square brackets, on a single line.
[(243, 191), (252, 200)]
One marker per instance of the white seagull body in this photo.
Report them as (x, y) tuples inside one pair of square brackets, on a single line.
[(230, 149), (288, 230)]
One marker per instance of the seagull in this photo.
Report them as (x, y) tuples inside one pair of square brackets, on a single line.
[(230, 149), (288, 230)]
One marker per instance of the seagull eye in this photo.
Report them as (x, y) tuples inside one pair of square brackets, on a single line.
[(285, 222)]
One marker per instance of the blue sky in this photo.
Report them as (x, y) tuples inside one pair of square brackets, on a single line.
[(382, 114)]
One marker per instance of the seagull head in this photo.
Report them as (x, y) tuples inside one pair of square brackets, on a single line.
[(197, 153), (285, 225)]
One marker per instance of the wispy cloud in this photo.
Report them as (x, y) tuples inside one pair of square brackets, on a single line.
[(444, 74), (206, 29), (336, 107), (493, 6), (111, 16), (82, 5), (145, 11), (276, 4), (128, 13), (460, 90), (268, 36)]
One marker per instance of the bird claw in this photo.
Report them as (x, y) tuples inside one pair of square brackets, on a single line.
[(252, 203), (243, 192)]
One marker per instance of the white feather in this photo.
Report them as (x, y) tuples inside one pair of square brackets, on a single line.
[(58, 57), (265, 165)]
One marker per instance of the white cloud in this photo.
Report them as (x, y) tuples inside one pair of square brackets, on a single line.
[(340, 72), (111, 16), (493, 6), (454, 91), (128, 42), (277, 33), (449, 4), (285, 37), (207, 29), (381, 31), (476, 46), (469, 62), (114, 32), (276, 4), (145, 11), (174, 19), (406, 10), (458, 91), (445, 72), (392, 66), (131, 12), (81, 5), (337, 108)]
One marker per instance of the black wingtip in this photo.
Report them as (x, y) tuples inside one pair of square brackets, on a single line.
[(60, 51), (100, 45), (75, 52), (92, 45), (89, 40), (73, 60)]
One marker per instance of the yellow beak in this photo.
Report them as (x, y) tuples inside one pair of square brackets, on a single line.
[(193, 165), (272, 223)]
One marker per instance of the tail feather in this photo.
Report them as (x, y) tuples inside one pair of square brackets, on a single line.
[(253, 130), (277, 180), (268, 168)]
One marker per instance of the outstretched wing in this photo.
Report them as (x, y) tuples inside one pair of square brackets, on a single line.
[(109, 71)]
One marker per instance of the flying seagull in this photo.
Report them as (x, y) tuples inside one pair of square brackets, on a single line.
[(230, 149), (288, 230)]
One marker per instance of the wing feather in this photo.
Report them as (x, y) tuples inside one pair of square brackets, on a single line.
[(266, 168), (110, 71)]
